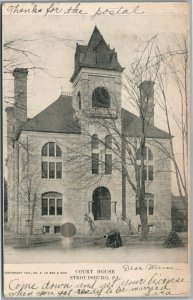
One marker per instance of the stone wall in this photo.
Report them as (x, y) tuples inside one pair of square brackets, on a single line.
[(77, 190), (160, 187)]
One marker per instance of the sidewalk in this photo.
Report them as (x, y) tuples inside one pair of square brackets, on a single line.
[(17, 240), (69, 251)]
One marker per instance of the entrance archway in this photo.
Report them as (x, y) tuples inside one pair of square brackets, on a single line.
[(101, 206)]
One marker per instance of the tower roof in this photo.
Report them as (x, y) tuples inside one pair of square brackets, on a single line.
[(97, 54)]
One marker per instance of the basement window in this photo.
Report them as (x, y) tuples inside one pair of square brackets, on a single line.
[(57, 229), (46, 229)]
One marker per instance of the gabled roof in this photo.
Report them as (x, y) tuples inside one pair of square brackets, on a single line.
[(58, 117), (97, 54), (132, 126)]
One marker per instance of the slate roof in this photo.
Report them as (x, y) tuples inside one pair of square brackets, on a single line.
[(132, 125), (58, 117), (97, 54)]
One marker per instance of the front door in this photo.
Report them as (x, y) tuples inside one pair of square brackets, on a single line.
[(101, 207)]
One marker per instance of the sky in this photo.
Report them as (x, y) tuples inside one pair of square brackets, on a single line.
[(52, 41)]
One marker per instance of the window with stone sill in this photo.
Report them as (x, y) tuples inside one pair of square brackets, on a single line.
[(95, 163), (149, 204), (148, 163), (52, 204), (51, 161)]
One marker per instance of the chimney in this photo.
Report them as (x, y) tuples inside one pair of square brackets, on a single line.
[(20, 95), (147, 100), (10, 125)]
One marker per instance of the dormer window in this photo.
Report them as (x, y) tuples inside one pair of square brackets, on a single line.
[(100, 98)]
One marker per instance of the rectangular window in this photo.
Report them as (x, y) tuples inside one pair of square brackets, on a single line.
[(44, 207), (59, 207), (52, 149), (95, 163), (46, 229), (58, 170), (44, 169), (57, 229), (150, 173), (108, 163), (150, 155), (51, 170), (51, 207), (145, 205), (137, 208), (145, 173), (145, 153), (151, 207), (151, 228), (139, 228)]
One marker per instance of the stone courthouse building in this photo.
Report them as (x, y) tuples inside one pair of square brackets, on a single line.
[(64, 164)]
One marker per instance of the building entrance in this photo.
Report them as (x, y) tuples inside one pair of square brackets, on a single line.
[(101, 206)]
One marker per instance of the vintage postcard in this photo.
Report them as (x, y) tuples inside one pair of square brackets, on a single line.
[(96, 149)]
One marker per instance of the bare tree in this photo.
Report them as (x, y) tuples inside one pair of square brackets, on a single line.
[(138, 85), (28, 186), (177, 69)]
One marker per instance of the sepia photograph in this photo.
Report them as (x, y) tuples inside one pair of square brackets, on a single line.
[(96, 139)]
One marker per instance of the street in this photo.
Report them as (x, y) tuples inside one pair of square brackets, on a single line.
[(70, 251)]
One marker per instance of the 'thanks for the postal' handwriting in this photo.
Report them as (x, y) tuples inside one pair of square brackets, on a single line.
[(76, 9)]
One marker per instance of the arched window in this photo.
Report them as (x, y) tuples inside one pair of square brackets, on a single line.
[(95, 141), (148, 164), (100, 98), (51, 161), (51, 149), (52, 204), (149, 204), (147, 154), (108, 154), (108, 142), (78, 101)]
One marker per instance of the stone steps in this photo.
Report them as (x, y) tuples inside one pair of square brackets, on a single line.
[(103, 227)]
